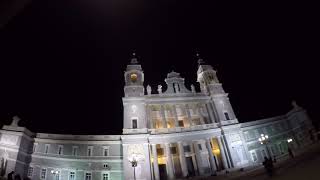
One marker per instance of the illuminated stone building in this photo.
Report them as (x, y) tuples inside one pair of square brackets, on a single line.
[(174, 133)]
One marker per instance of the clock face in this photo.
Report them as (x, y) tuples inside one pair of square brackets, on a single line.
[(133, 77)]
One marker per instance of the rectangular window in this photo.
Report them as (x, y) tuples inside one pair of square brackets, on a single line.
[(181, 124), (254, 156), (46, 149), (160, 151), (88, 176), (60, 149), (30, 171), (186, 148), (173, 150), (72, 175), (105, 176), (43, 173), (226, 116), (200, 147), (74, 150), (105, 151), (134, 124), (89, 150)]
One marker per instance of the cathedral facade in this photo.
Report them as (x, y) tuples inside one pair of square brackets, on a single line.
[(171, 134)]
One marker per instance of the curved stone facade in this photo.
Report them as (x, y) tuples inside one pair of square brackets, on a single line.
[(172, 134)]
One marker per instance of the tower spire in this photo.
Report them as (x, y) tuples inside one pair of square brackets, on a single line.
[(200, 60)]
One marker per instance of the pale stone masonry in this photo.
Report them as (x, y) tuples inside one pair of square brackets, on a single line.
[(175, 133)]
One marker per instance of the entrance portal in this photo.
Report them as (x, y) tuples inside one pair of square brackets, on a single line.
[(163, 171), (190, 166)]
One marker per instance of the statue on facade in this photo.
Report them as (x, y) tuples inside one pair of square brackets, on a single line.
[(294, 104), (176, 87), (149, 90), (15, 121), (193, 89), (159, 89), (4, 161)]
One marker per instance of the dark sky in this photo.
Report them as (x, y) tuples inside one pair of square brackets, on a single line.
[(62, 62)]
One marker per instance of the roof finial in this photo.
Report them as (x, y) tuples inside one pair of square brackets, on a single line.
[(134, 59), (15, 120), (200, 60)]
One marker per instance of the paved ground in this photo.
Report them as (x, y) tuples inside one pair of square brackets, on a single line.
[(305, 166)]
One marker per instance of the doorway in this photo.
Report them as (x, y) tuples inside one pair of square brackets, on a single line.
[(163, 171), (190, 166)]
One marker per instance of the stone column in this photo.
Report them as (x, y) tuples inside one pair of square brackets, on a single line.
[(176, 120), (227, 151), (210, 112), (197, 156), (163, 116), (182, 158), (223, 154), (211, 157), (155, 162), (200, 115), (187, 110), (169, 166), (194, 159)]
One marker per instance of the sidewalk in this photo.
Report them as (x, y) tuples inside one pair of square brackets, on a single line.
[(280, 166)]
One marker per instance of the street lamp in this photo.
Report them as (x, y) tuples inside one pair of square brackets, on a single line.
[(55, 174), (264, 139), (134, 158)]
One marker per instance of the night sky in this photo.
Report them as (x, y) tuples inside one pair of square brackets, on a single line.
[(62, 62)]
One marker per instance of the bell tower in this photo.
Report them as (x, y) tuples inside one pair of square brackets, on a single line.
[(134, 110), (210, 85), (134, 78), (135, 135)]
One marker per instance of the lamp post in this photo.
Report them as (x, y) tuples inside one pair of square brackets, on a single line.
[(133, 159), (264, 139), (55, 174)]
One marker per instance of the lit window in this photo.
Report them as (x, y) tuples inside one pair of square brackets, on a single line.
[(88, 176), (134, 124), (74, 150), (160, 151), (46, 149), (60, 149), (72, 175), (105, 176), (30, 171), (89, 150), (43, 173)]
